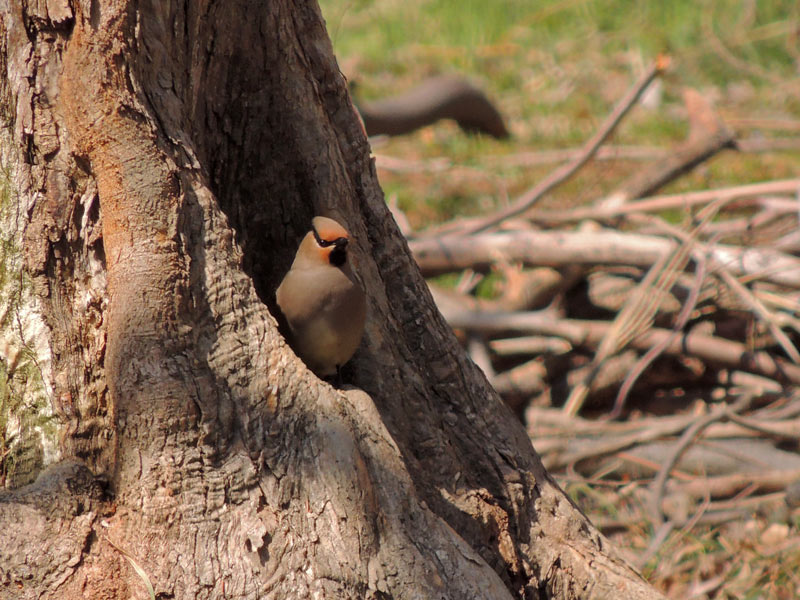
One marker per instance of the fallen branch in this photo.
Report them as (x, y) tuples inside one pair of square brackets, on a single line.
[(605, 153), (713, 513), (655, 351), (747, 297), (638, 453), (686, 201), (589, 334), (551, 424), (522, 382), (442, 97), (726, 486), (688, 437), (567, 248), (707, 136), (639, 311), (560, 175), (530, 345), (520, 292)]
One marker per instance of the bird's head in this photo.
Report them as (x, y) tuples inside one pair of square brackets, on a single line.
[(330, 241)]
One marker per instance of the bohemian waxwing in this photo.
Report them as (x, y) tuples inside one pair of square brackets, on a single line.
[(322, 301)]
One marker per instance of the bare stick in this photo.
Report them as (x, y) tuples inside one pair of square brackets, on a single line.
[(658, 540), (560, 446), (744, 294), (716, 350), (727, 485), (552, 423), (640, 309), (606, 153), (566, 248), (604, 444), (775, 430), (657, 350), (759, 309), (688, 437), (782, 125), (671, 201), (530, 345), (636, 315), (529, 198), (707, 136), (546, 157)]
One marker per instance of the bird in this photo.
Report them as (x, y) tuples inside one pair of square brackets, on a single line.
[(323, 303)]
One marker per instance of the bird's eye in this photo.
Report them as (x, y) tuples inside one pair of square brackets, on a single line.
[(342, 241), (316, 237)]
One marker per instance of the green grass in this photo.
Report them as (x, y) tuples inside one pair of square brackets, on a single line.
[(509, 36), (556, 69)]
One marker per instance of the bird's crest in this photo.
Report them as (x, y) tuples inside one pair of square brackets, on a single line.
[(327, 231)]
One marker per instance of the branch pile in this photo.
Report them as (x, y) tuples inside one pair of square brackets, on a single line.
[(652, 354)]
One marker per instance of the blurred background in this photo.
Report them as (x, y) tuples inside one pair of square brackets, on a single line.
[(555, 70)]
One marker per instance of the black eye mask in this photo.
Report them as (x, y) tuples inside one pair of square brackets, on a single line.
[(338, 255), (339, 242)]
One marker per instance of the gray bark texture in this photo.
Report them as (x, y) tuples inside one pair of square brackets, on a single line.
[(161, 161)]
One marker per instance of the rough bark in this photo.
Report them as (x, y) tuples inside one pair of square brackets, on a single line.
[(163, 161)]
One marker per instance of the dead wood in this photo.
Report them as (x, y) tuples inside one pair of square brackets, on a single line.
[(590, 334), (521, 290), (726, 448), (442, 97), (710, 456), (606, 247), (532, 196), (750, 194), (707, 136), (688, 437), (521, 382), (530, 345), (604, 376), (726, 486)]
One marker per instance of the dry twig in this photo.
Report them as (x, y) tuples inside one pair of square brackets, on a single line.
[(557, 177), (657, 350), (687, 438), (741, 193)]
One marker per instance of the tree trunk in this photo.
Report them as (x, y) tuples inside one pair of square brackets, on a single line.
[(161, 161)]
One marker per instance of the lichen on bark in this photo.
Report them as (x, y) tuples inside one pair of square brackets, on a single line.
[(28, 426)]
